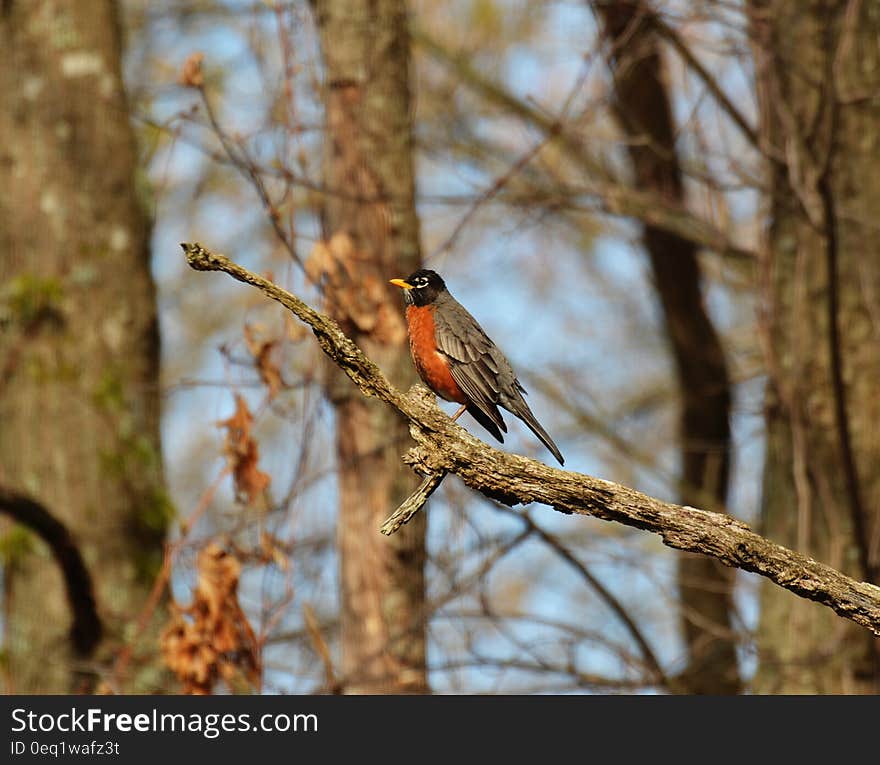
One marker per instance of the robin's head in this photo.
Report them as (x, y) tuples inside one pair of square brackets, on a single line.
[(421, 287)]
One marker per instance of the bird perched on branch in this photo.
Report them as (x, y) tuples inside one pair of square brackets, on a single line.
[(456, 359)]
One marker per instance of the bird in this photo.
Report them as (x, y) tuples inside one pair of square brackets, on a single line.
[(458, 361)]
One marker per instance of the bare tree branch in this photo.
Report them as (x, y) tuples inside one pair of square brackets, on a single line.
[(603, 592), (86, 630), (444, 446)]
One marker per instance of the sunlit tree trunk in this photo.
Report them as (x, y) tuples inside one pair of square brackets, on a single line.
[(79, 419), (817, 66), (644, 110), (370, 222)]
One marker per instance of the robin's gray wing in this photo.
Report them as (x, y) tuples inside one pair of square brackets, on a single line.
[(476, 364), (481, 370)]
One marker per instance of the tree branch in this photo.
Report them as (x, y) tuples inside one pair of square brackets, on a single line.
[(86, 630), (442, 445)]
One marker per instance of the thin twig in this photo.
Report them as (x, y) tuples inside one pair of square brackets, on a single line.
[(164, 577), (605, 594), (240, 160), (692, 62), (313, 628), (413, 503)]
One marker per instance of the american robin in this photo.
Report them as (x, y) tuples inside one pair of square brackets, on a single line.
[(457, 360)]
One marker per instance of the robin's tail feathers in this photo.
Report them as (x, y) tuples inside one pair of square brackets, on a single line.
[(521, 409), (495, 425), (487, 422)]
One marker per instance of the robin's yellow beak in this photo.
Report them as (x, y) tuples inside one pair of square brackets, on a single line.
[(402, 284)]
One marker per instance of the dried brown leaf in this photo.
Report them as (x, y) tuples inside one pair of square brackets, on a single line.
[(211, 639), (295, 330), (191, 74), (243, 454), (264, 361), (320, 263), (272, 551), (355, 293)]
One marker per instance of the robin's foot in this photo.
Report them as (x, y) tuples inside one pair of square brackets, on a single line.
[(460, 412)]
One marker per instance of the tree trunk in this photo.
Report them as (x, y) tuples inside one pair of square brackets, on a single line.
[(371, 227), (644, 111), (79, 402), (814, 62)]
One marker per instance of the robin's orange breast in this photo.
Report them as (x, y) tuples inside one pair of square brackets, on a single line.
[(430, 363)]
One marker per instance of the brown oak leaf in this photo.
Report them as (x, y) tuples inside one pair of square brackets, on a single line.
[(243, 454)]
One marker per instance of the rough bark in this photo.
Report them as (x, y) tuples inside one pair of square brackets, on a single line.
[(79, 398), (373, 236), (645, 114), (815, 63), (444, 446)]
